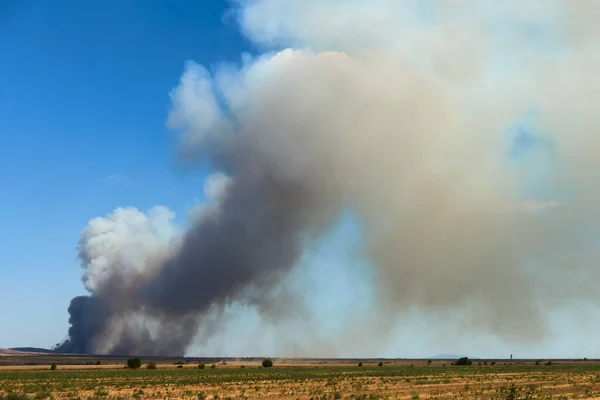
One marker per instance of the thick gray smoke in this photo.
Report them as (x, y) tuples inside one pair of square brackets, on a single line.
[(400, 112)]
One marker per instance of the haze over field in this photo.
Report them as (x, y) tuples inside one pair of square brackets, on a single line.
[(456, 139)]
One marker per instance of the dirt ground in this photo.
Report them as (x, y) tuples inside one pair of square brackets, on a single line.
[(300, 379)]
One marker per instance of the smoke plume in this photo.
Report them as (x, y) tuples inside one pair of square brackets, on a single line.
[(403, 113)]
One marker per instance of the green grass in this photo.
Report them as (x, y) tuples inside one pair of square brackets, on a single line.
[(13, 396)]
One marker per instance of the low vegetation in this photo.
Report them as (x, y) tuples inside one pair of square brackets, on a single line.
[(14, 396), (463, 361), (322, 381), (134, 363)]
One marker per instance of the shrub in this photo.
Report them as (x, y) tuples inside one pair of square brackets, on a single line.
[(428, 362), (53, 366), (201, 366), (267, 363), (537, 362), (380, 364), (360, 364), (98, 362), (134, 363), (242, 366), (463, 361), (549, 362), (151, 365), (14, 396), (213, 366), (493, 362), (180, 366)]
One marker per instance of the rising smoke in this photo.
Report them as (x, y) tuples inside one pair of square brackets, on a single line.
[(399, 111)]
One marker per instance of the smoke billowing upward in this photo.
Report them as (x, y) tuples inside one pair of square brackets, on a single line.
[(400, 113)]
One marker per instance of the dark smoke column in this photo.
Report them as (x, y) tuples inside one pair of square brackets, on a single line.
[(81, 319)]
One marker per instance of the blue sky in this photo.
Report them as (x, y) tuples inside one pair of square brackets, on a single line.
[(83, 103)]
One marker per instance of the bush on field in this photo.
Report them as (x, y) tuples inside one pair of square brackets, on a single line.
[(53, 366), (151, 365), (463, 361), (267, 363), (134, 363), (201, 366)]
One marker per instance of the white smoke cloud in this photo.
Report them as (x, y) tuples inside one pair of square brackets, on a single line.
[(405, 123), (215, 186), (194, 96), (397, 111), (530, 206), (125, 242)]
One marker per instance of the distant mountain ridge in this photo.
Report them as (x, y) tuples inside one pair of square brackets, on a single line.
[(446, 357), (31, 350)]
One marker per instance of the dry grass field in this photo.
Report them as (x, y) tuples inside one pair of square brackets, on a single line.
[(310, 380)]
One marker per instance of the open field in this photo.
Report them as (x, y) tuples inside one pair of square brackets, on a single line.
[(292, 379)]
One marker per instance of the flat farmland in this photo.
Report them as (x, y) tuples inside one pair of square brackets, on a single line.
[(289, 380)]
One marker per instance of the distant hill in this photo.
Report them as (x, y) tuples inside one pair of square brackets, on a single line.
[(8, 352), (446, 357), (31, 350)]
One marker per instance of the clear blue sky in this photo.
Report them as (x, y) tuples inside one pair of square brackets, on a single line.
[(83, 102)]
